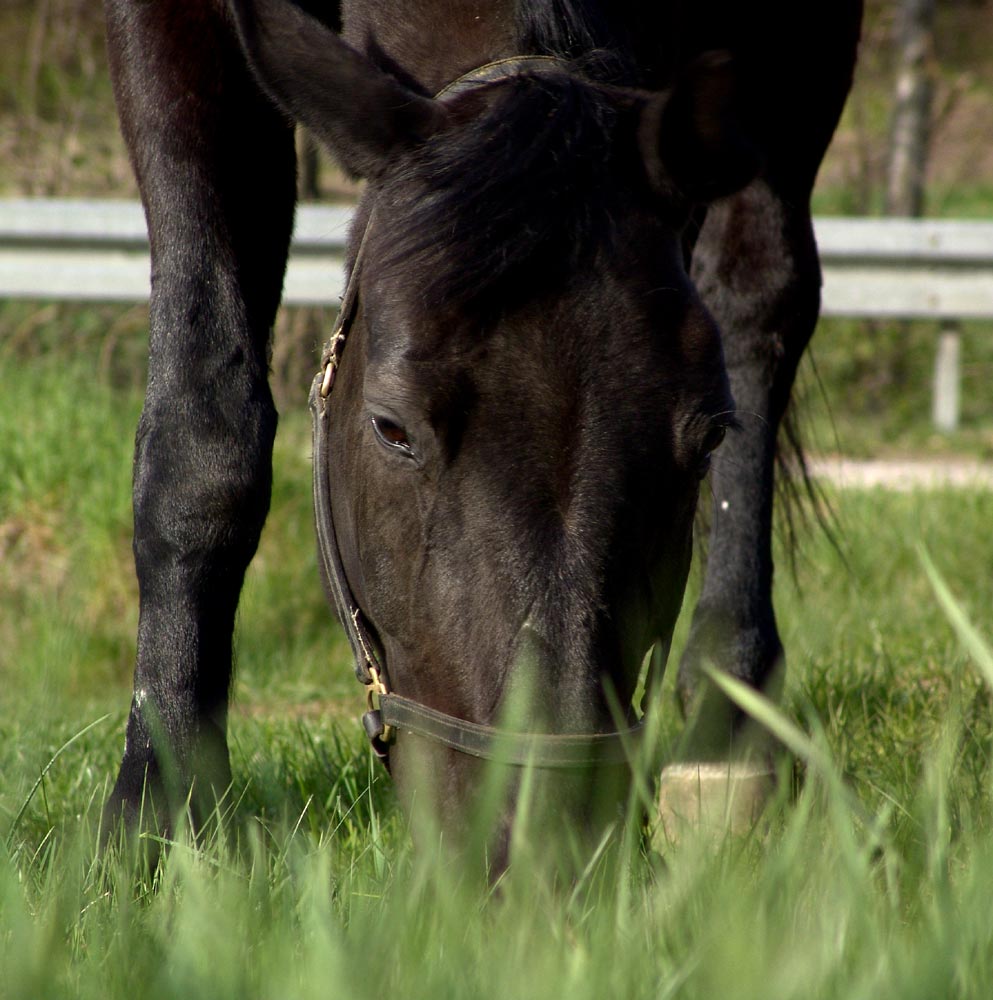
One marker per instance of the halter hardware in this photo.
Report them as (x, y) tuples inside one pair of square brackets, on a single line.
[(333, 357)]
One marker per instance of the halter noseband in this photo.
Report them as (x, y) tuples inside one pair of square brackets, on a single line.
[(395, 712)]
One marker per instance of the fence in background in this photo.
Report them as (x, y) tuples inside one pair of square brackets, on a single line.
[(939, 269), (873, 268)]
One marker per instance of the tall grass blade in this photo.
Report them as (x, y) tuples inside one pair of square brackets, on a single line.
[(970, 638), (763, 711), (41, 777)]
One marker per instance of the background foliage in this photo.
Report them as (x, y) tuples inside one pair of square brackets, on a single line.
[(58, 137)]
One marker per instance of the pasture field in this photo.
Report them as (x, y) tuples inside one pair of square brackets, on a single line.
[(869, 878)]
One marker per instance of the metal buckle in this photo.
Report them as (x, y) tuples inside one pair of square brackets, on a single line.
[(374, 690), (329, 370), (332, 359)]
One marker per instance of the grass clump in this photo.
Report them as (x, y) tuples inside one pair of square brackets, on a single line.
[(868, 877), (825, 899)]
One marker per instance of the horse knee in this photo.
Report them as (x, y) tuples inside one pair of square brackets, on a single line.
[(756, 266), (201, 482)]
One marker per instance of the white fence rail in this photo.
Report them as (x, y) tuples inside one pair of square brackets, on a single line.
[(874, 268), (97, 251)]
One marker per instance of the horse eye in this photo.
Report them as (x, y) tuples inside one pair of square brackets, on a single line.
[(392, 435), (711, 443), (714, 438)]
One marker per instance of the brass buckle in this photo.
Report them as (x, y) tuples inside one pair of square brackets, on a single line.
[(332, 360), (375, 689)]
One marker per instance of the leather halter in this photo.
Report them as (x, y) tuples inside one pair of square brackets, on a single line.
[(395, 712)]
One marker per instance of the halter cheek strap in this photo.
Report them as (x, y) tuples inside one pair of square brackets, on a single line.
[(395, 713), (365, 647)]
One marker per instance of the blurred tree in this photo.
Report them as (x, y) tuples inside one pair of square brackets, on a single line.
[(308, 166), (910, 129)]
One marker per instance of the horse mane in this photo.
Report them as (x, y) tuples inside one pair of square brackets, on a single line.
[(522, 193), (512, 201), (578, 31)]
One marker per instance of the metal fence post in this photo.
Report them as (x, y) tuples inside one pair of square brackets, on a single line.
[(947, 363)]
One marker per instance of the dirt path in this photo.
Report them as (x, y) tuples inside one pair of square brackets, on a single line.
[(904, 475)]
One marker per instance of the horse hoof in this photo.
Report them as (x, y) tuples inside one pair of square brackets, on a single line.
[(711, 800)]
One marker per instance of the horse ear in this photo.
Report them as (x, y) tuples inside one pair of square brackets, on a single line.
[(692, 137), (362, 114)]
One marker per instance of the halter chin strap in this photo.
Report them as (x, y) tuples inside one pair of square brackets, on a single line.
[(394, 713)]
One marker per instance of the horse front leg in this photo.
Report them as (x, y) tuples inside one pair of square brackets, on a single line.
[(215, 165), (756, 266)]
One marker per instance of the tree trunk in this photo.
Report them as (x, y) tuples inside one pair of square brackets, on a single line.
[(911, 122), (308, 166)]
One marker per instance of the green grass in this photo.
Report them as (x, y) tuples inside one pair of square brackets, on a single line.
[(870, 877), (970, 200), (864, 389)]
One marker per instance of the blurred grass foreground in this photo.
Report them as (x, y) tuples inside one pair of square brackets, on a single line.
[(869, 877)]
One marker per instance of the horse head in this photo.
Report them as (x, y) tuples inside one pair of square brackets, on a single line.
[(531, 390)]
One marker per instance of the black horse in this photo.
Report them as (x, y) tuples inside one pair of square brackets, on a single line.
[(576, 273)]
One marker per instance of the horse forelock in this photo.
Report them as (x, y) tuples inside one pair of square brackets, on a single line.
[(512, 202)]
